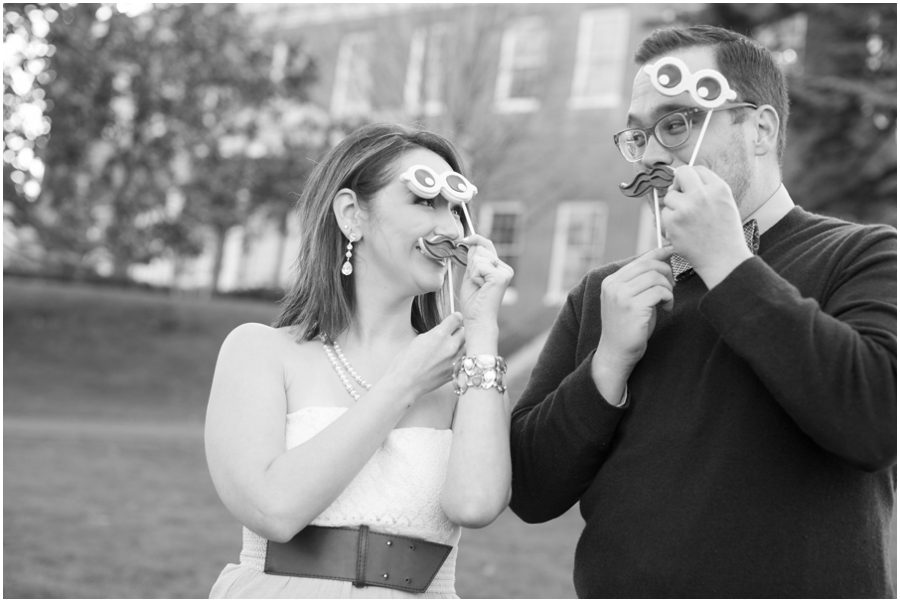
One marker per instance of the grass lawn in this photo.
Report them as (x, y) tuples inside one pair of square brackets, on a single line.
[(107, 494), (106, 489)]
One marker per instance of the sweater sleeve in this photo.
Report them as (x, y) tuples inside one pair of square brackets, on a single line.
[(561, 426), (832, 367)]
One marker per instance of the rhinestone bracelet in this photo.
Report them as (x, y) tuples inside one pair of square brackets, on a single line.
[(481, 371)]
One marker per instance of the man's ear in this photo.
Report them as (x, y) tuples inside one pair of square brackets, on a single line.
[(347, 212), (767, 122)]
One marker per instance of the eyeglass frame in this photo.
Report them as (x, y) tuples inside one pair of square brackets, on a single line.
[(688, 112)]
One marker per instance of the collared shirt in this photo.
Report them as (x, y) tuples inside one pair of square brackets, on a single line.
[(770, 213)]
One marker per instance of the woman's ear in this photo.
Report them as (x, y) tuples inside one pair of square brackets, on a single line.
[(767, 122), (347, 212)]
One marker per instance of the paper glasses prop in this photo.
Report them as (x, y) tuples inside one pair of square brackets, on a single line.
[(455, 188), (709, 89), (426, 183)]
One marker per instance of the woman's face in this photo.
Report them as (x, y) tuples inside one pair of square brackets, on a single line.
[(397, 218)]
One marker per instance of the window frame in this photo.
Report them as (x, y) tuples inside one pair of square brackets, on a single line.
[(565, 211), (517, 247), (341, 105), (586, 54), (503, 102), (421, 49)]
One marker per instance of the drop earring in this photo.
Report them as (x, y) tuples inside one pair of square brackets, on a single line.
[(347, 268)]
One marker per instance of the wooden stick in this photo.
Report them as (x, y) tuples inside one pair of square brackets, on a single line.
[(659, 242), (450, 281), (468, 219), (700, 138)]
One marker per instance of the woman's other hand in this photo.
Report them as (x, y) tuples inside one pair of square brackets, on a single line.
[(483, 286), (427, 362)]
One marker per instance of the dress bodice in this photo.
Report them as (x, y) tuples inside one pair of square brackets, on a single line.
[(398, 491)]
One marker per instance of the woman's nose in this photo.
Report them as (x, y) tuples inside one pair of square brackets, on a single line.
[(448, 222)]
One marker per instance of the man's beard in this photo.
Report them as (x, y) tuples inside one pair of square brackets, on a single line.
[(736, 170)]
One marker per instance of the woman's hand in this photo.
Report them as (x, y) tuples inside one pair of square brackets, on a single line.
[(483, 285), (427, 362)]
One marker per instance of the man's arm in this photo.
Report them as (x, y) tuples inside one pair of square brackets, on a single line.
[(833, 368), (563, 425)]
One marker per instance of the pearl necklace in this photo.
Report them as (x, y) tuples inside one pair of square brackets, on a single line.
[(347, 368)]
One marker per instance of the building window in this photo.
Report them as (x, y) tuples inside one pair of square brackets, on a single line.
[(523, 54), (353, 79), (579, 243), (502, 220), (600, 59), (427, 72)]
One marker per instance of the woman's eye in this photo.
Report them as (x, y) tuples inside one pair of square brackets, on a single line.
[(457, 211), (421, 201)]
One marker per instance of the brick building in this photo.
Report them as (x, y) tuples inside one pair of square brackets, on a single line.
[(531, 92)]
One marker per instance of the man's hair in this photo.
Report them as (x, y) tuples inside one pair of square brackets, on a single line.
[(320, 300), (747, 65)]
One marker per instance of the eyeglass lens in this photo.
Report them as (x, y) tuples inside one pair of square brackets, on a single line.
[(671, 131)]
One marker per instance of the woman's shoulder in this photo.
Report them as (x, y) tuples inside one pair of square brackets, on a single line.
[(253, 338)]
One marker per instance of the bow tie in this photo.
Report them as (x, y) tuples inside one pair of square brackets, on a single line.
[(681, 269)]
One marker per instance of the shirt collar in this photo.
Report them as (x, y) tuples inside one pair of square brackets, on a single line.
[(770, 213)]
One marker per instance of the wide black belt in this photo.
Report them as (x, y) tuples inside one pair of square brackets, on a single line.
[(358, 555)]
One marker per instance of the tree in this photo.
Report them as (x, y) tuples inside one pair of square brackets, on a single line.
[(842, 136), (139, 104)]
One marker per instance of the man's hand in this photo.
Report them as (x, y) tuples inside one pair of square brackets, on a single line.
[(629, 300), (703, 224)]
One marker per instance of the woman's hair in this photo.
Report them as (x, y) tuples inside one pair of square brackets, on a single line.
[(321, 299)]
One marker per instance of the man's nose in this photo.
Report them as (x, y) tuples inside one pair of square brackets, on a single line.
[(655, 154)]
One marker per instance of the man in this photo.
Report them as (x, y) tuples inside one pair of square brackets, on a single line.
[(730, 432)]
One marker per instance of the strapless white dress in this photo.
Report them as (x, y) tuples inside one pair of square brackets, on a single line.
[(398, 492)]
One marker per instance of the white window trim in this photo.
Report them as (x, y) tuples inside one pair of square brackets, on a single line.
[(613, 98), (486, 224), (420, 43), (502, 101), (339, 102), (413, 87), (564, 211)]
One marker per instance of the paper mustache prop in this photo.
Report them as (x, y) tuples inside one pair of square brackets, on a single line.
[(441, 248), (658, 178)]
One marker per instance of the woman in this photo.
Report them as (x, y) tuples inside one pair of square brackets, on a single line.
[(336, 437)]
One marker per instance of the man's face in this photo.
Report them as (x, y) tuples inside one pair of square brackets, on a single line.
[(726, 148)]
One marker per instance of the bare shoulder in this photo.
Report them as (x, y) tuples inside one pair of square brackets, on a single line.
[(255, 337)]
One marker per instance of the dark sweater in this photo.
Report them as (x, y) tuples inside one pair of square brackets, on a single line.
[(756, 456)]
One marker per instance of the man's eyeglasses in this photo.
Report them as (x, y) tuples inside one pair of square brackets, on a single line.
[(671, 130)]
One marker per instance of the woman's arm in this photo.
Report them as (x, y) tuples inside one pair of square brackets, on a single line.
[(477, 486), (479, 474), (276, 493)]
